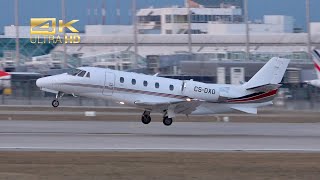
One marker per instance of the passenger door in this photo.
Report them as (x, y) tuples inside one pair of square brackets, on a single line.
[(109, 84)]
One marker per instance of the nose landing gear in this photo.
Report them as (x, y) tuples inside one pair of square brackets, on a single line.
[(55, 102)]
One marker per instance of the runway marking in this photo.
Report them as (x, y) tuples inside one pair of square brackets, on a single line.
[(156, 149), (161, 135)]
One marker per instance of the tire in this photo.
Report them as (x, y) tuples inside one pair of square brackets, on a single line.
[(55, 103), (146, 119), (167, 121)]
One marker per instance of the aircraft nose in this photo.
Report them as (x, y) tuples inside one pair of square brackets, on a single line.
[(42, 82)]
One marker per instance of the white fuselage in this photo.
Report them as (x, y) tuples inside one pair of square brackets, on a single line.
[(315, 82), (132, 88)]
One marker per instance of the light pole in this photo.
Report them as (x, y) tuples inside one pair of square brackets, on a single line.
[(135, 31), (63, 15), (308, 27), (189, 28), (16, 19), (246, 18)]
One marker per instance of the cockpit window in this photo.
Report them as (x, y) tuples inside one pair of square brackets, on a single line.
[(74, 72), (79, 72), (82, 73), (88, 75)]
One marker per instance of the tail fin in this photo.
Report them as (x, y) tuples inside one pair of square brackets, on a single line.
[(3, 74), (316, 61), (269, 75)]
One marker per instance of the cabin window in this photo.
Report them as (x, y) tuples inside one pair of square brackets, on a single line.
[(88, 75), (171, 87), (145, 83), (121, 79), (82, 73), (156, 85), (133, 81)]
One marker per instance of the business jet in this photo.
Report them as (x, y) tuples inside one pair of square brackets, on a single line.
[(316, 61), (169, 96), (6, 77)]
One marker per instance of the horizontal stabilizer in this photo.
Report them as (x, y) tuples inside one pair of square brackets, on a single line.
[(270, 74), (265, 88), (249, 110)]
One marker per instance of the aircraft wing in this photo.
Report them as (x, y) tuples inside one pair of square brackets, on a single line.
[(180, 107)]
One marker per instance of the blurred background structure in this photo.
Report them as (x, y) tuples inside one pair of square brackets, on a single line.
[(213, 41)]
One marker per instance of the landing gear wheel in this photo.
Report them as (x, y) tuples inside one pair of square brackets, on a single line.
[(55, 103), (145, 119), (167, 121)]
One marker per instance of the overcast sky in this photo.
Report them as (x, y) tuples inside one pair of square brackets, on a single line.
[(77, 9)]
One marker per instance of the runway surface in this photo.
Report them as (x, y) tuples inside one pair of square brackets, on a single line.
[(181, 136)]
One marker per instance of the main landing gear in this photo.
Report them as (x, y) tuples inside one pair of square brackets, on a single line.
[(146, 118), (167, 121), (167, 117), (55, 102)]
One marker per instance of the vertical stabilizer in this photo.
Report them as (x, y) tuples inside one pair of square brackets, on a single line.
[(316, 61), (270, 74)]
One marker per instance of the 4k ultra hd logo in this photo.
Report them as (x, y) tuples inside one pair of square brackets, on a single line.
[(45, 30)]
